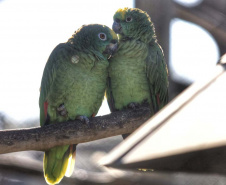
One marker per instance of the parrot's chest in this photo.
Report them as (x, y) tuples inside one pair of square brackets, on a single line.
[(81, 90), (128, 76), (87, 91)]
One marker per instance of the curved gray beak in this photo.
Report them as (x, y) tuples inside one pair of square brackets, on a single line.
[(117, 27), (111, 48)]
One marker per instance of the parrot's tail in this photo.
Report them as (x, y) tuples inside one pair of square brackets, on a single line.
[(59, 161)]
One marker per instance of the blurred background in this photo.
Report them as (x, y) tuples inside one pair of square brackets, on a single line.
[(190, 32)]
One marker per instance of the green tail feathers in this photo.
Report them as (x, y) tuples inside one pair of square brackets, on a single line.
[(58, 162)]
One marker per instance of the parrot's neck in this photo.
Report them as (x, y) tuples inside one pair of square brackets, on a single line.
[(145, 35), (146, 40)]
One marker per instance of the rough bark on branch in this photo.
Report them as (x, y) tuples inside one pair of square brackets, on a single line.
[(73, 132)]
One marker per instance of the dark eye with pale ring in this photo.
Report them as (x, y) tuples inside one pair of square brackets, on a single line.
[(129, 19), (102, 36)]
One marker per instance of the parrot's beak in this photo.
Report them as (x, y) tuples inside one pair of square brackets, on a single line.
[(117, 27), (111, 48)]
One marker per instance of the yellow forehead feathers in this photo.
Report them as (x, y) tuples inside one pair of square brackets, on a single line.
[(122, 12)]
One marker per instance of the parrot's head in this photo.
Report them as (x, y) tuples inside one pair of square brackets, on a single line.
[(133, 23), (99, 39)]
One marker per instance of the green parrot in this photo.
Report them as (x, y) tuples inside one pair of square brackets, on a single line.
[(137, 72), (72, 87)]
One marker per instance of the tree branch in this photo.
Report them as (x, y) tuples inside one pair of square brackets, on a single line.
[(73, 132)]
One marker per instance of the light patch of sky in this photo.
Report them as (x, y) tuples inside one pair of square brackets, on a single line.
[(29, 32), (193, 51), (189, 3)]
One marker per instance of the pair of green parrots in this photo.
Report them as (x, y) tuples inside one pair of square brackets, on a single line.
[(79, 71)]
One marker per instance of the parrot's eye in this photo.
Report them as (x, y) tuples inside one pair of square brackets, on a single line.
[(129, 19), (102, 36)]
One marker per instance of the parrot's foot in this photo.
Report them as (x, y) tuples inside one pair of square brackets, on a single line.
[(133, 105), (84, 119), (62, 110)]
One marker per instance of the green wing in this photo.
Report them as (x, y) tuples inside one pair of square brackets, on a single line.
[(56, 160), (57, 57), (157, 74)]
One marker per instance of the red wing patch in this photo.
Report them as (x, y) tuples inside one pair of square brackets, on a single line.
[(93, 115), (45, 108), (158, 99)]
